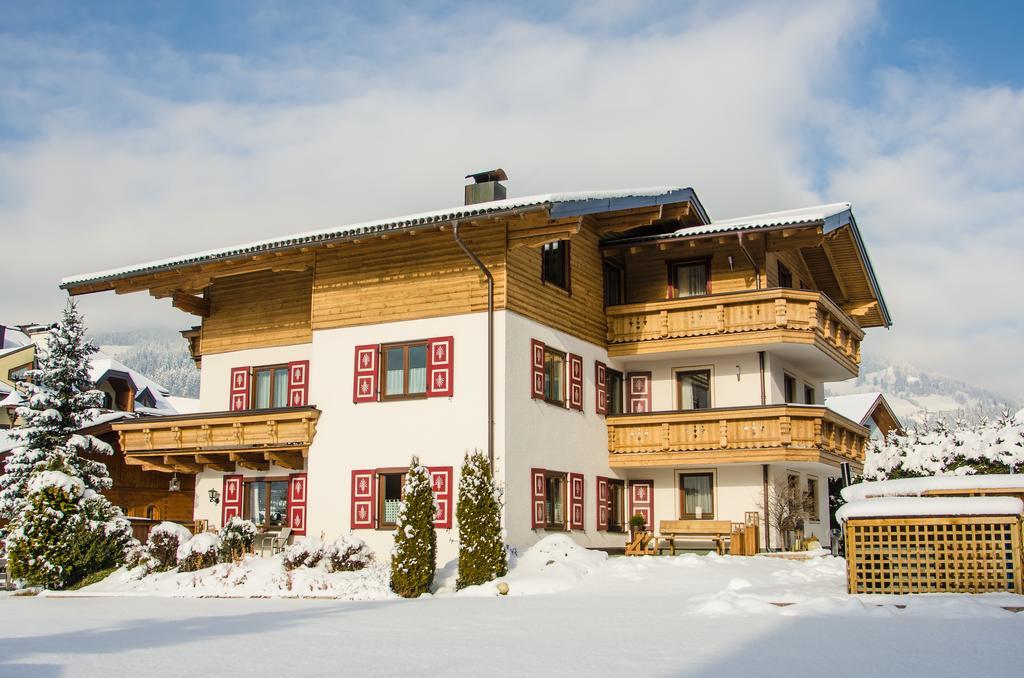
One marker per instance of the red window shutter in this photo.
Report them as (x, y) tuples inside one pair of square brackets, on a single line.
[(297, 503), (639, 392), (576, 501), (441, 482), (601, 381), (641, 500), (364, 387), (602, 503), (575, 382), (363, 499), (538, 488), (239, 388), (298, 383), (231, 498), (537, 369), (440, 367)]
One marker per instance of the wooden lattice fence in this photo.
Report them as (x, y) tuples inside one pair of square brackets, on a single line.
[(968, 554)]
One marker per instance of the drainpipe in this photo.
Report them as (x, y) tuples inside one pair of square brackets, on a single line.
[(760, 360), (757, 273), (767, 523), (490, 342)]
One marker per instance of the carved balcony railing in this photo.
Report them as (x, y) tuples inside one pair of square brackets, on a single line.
[(735, 319), (220, 440), (759, 434)]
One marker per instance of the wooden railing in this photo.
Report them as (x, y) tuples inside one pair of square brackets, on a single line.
[(716, 320), (250, 438), (740, 434)]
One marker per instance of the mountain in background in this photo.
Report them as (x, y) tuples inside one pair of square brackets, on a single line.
[(916, 394), (161, 355)]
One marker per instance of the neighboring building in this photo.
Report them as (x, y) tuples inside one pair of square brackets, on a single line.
[(127, 393), (870, 410), (646, 360)]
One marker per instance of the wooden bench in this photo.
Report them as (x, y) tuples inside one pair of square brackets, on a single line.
[(716, 531)]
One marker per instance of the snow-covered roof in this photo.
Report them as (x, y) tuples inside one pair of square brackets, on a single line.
[(931, 506), (914, 487), (102, 364), (561, 205), (855, 407)]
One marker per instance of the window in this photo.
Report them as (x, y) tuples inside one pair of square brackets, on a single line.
[(554, 268), (689, 279), (785, 276), (616, 506), (554, 376), (694, 389), (16, 374), (266, 503), (809, 395), (614, 393), (613, 288), (812, 500), (554, 507), (404, 369), (390, 498), (696, 496), (789, 388), (270, 387)]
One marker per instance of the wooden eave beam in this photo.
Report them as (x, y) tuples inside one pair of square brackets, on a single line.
[(835, 269), (215, 463), (249, 462), (191, 304), (285, 460)]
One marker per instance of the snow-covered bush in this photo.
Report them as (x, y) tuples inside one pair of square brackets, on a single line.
[(236, 539), (482, 556), (347, 554), (64, 533), (164, 541), (414, 557), (199, 552), (936, 448), (303, 553)]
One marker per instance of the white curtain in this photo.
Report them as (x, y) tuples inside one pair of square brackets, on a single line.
[(395, 374), (417, 369), (281, 387), (697, 492), (262, 389)]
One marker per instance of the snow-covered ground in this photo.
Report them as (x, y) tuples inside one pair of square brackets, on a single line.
[(568, 612)]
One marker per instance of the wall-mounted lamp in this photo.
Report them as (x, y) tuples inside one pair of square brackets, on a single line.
[(730, 262), (175, 484), (214, 496)]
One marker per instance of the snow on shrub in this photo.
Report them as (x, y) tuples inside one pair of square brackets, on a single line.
[(482, 554), (199, 552), (936, 448), (347, 554), (237, 538), (162, 546), (304, 553), (414, 556)]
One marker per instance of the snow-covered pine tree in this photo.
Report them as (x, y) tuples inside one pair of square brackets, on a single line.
[(60, 399), (482, 556), (414, 557), (61, 528)]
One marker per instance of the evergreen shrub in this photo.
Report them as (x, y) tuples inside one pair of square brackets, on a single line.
[(414, 556)]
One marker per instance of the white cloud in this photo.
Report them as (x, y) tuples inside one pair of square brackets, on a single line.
[(195, 151)]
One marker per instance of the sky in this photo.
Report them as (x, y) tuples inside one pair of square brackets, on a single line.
[(137, 131)]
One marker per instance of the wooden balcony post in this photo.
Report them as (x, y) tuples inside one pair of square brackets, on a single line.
[(720, 312), (666, 436), (663, 318), (812, 315), (780, 312), (786, 430), (723, 433)]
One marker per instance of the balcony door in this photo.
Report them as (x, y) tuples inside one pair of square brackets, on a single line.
[(693, 389)]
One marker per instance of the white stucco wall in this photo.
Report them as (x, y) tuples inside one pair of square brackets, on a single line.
[(776, 367), (215, 377), (726, 389)]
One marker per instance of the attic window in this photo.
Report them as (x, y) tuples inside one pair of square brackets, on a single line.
[(554, 269)]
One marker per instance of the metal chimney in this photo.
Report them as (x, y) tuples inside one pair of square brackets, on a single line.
[(485, 187)]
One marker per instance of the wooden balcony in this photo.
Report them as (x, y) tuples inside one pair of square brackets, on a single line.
[(760, 434), (735, 319), (220, 441)]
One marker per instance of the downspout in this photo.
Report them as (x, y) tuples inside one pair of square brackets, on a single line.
[(490, 342), (760, 361), (767, 523), (750, 258)]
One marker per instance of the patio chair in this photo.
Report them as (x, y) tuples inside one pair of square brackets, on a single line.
[(277, 541)]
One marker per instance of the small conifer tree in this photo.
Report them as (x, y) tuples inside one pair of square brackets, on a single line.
[(414, 557), (482, 556)]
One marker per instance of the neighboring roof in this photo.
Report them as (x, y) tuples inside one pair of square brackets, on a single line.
[(14, 340), (832, 216), (102, 365), (560, 204), (856, 406)]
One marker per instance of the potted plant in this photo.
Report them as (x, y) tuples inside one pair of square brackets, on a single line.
[(637, 524)]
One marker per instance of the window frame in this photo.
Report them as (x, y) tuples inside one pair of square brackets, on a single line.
[(810, 394), (815, 514), (247, 484), (405, 345), (609, 264), (252, 385), (563, 479), (784, 274), (616, 487), (787, 380), (683, 515), (382, 474), (564, 356), (678, 386), (608, 372), (566, 266), (673, 264)]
